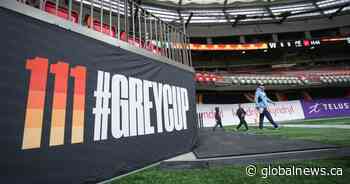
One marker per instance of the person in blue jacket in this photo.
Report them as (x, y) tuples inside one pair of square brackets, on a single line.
[(262, 102)]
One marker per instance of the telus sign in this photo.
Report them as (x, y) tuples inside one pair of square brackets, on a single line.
[(326, 108)]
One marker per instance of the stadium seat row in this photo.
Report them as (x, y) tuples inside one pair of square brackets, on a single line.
[(249, 80), (306, 78), (335, 79), (63, 12), (272, 80), (208, 77)]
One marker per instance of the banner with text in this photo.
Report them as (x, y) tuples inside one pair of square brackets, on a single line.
[(326, 108), (77, 110), (282, 111)]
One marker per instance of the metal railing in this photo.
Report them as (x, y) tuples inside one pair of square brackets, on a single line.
[(125, 20)]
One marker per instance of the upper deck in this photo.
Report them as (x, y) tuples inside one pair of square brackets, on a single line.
[(121, 23)]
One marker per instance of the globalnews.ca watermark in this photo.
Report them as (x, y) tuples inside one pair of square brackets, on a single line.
[(265, 172)]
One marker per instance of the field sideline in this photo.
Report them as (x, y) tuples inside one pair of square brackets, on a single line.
[(236, 174), (326, 121)]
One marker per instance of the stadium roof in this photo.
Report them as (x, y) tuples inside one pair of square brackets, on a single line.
[(242, 11), (187, 2)]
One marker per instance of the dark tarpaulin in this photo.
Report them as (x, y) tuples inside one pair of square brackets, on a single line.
[(23, 38)]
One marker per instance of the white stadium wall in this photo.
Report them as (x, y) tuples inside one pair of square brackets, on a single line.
[(282, 111)]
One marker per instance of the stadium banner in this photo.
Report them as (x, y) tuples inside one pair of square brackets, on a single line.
[(77, 110), (294, 44), (282, 111), (247, 46), (326, 108)]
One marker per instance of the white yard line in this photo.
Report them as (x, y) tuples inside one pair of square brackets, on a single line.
[(316, 126)]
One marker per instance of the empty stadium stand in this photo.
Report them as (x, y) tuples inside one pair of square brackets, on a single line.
[(62, 12), (140, 28), (100, 27)]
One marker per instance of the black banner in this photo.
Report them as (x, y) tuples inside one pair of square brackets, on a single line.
[(77, 110)]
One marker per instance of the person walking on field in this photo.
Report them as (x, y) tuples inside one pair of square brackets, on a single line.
[(217, 118), (262, 102), (241, 115)]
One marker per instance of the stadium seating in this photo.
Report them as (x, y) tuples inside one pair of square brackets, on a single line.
[(137, 42), (132, 40), (266, 79), (209, 77), (324, 76), (152, 47), (271, 79), (97, 26), (334, 79), (62, 12)]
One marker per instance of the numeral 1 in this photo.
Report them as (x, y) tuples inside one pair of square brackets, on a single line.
[(35, 103), (79, 74), (58, 115)]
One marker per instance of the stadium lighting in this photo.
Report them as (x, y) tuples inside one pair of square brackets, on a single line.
[(271, 12)]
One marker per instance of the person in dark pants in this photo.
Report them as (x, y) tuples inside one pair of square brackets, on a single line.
[(262, 102), (241, 115), (217, 118)]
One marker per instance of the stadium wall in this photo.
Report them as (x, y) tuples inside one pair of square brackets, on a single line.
[(78, 110), (282, 111)]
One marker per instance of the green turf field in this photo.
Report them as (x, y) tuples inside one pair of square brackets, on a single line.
[(331, 121), (236, 174), (324, 135)]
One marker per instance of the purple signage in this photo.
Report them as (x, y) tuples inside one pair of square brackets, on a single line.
[(326, 108)]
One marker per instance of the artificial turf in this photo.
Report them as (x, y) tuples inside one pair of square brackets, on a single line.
[(334, 136), (236, 174), (330, 121)]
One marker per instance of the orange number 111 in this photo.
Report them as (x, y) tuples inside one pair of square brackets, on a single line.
[(34, 117)]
